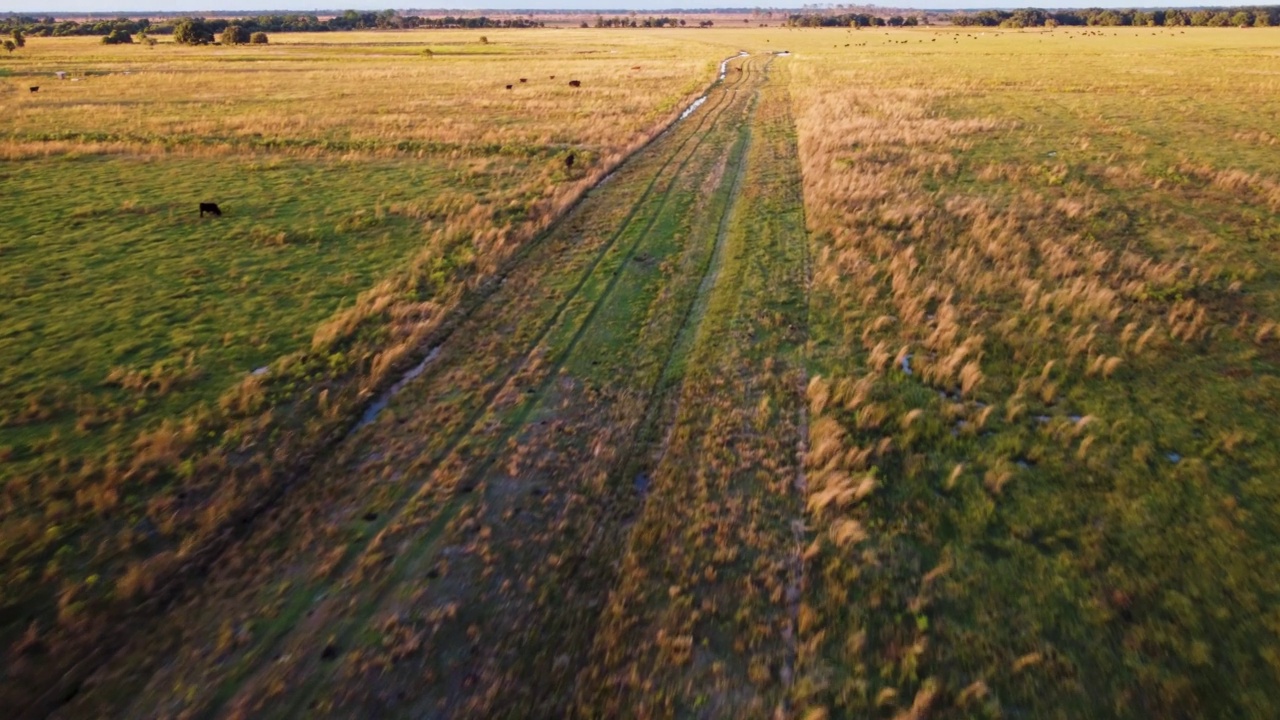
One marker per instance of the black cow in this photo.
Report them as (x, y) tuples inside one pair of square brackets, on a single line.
[(35, 88), (524, 79), (575, 83), (568, 162), (211, 208), (508, 87)]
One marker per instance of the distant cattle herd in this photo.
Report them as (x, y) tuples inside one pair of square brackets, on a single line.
[(213, 209), (572, 83)]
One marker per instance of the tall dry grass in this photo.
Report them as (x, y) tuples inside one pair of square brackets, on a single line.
[(1036, 296)]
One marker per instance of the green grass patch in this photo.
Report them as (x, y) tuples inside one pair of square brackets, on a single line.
[(123, 306)]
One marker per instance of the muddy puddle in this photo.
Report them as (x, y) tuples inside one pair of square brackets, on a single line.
[(375, 409)]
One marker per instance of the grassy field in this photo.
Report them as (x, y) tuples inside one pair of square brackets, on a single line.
[(1044, 458), (367, 188), (917, 373)]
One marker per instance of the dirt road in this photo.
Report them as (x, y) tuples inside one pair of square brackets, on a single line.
[(584, 501)]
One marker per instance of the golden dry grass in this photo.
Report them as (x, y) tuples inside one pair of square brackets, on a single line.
[(1040, 294)]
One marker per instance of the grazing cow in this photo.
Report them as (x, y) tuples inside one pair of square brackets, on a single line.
[(637, 67), (508, 87), (572, 83), (553, 77), (211, 208), (35, 88), (568, 162), (62, 75), (524, 79)]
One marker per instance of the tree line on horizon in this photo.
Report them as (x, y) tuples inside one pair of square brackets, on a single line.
[(645, 22), (1246, 16), (206, 29), (1252, 16), (856, 20), (198, 30)]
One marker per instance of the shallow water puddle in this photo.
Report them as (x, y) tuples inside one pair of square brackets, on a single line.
[(371, 413)]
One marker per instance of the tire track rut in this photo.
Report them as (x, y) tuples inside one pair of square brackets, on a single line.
[(518, 417), (473, 426), (262, 659)]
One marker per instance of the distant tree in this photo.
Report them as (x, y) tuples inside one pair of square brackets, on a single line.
[(18, 39), (484, 40), (235, 35), (1109, 18), (1262, 18), (388, 19), (258, 38), (10, 45), (117, 37), (192, 31)]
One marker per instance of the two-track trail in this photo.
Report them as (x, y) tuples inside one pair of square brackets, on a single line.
[(585, 502), (702, 618)]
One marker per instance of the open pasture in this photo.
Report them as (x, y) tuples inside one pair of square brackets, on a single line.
[(924, 373), (365, 186), (1043, 467)]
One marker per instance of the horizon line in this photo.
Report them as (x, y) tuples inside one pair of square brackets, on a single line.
[(798, 9)]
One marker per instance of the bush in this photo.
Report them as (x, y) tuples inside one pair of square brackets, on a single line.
[(235, 35), (117, 37), (190, 31), (258, 38)]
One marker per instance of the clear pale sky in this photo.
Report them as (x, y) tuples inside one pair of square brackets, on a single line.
[(143, 6)]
